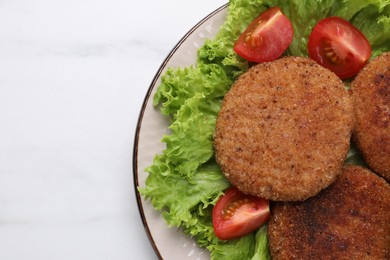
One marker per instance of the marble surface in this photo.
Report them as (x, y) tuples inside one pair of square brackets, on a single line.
[(73, 76)]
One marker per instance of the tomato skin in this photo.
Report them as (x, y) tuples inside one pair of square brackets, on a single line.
[(266, 38), (236, 214), (339, 46)]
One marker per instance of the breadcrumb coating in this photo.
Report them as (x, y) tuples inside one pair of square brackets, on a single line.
[(284, 129), (348, 220), (371, 98)]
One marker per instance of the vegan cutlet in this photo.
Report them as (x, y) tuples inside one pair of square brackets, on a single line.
[(284, 129), (371, 97), (348, 220)]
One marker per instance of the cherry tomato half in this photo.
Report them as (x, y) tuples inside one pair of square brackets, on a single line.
[(266, 38), (236, 214), (339, 46)]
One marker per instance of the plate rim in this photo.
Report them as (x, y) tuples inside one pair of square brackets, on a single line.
[(140, 119)]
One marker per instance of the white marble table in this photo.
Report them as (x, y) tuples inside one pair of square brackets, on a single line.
[(73, 75)]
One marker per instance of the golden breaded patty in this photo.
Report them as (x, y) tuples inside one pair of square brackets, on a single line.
[(284, 129), (371, 98), (348, 220)]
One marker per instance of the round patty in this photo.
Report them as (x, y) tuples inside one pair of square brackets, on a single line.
[(371, 98), (348, 220), (284, 129)]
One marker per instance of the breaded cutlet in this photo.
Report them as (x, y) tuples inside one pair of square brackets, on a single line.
[(371, 97), (348, 220), (284, 129)]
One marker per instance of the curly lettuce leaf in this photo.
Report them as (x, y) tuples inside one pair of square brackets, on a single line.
[(347, 9), (180, 84), (238, 249), (261, 248), (190, 143), (185, 203), (220, 50), (374, 22)]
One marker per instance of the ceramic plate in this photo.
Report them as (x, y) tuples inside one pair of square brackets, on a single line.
[(168, 243)]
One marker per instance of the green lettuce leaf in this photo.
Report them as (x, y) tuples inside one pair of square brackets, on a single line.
[(238, 249), (220, 50), (347, 9), (182, 200), (190, 144), (180, 84), (374, 22), (261, 248)]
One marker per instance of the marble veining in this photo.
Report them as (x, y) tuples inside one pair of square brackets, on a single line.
[(73, 76)]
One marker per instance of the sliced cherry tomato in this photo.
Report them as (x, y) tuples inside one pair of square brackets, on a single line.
[(339, 46), (236, 214), (266, 38)]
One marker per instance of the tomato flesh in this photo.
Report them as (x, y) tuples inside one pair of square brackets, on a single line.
[(339, 46), (266, 38), (236, 214)]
